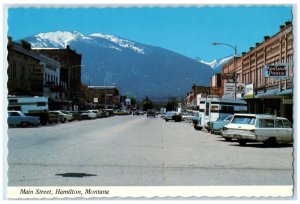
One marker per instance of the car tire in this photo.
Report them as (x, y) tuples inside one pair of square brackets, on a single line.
[(166, 120), (242, 142), (228, 139), (270, 142), (197, 128), (25, 124), (63, 121)]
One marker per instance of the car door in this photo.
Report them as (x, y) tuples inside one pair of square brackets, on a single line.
[(280, 131), (266, 129), (287, 130)]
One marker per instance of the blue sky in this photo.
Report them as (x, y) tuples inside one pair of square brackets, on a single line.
[(186, 30)]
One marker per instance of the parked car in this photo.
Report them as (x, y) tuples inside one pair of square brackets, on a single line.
[(108, 112), (151, 112), (138, 112), (268, 129), (88, 115), (76, 115), (163, 115), (172, 115), (97, 112), (17, 118), (188, 116), (217, 126), (54, 117), (64, 115), (196, 121)]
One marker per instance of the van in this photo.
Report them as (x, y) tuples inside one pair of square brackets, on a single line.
[(268, 129)]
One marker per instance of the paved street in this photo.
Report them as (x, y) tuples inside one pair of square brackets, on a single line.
[(139, 151)]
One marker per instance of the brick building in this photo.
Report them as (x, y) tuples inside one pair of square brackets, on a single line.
[(70, 72), (216, 86), (103, 96), (192, 99), (30, 73), (266, 93)]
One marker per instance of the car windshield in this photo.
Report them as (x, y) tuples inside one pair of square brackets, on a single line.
[(222, 118), (170, 113), (248, 120)]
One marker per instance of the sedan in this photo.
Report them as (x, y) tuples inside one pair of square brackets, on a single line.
[(19, 119), (172, 115), (88, 115), (64, 116), (217, 126)]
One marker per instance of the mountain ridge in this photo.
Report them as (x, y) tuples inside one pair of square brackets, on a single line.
[(137, 69)]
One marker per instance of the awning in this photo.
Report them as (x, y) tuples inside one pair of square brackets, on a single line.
[(267, 94), (275, 93), (285, 92)]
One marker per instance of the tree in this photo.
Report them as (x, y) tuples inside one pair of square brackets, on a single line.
[(172, 104), (147, 104)]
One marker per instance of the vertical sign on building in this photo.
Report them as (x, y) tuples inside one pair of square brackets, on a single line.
[(249, 91)]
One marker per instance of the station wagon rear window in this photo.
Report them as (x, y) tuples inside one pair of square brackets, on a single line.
[(266, 123), (286, 124), (248, 120)]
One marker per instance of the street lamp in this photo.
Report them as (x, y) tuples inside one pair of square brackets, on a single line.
[(69, 79), (234, 63)]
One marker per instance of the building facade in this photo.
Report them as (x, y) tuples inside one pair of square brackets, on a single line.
[(216, 86), (192, 99), (70, 72), (30, 73), (266, 70), (103, 97)]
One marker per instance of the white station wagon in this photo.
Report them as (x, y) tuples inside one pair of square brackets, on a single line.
[(268, 129)]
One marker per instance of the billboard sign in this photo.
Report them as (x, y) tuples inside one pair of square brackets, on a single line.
[(37, 72), (229, 90), (276, 70)]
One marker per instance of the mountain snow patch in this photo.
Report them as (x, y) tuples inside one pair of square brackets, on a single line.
[(121, 42)]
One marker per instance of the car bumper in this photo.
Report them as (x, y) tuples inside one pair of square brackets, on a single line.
[(217, 131), (239, 134)]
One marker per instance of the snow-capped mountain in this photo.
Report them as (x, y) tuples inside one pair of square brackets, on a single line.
[(136, 69), (60, 39), (217, 63)]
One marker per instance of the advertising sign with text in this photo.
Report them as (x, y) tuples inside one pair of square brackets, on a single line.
[(276, 70)]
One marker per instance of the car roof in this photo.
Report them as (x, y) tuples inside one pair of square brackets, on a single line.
[(259, 115)]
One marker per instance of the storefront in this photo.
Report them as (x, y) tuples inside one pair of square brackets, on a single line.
[(274, 102)]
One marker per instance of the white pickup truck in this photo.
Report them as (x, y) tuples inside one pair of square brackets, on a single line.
[(17, 118)]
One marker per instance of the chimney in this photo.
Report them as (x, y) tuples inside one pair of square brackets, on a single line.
[(26, 45), (251, 48), (266, 37), (257, 44), (288, 23), (243, 53), (282, 27)]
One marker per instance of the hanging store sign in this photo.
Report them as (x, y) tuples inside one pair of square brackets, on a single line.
[(276, 70), (249, 91), (229, 90)]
